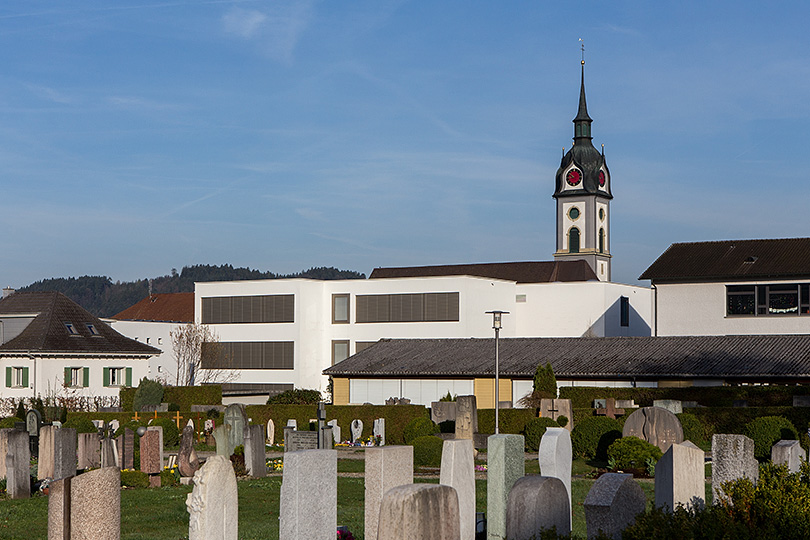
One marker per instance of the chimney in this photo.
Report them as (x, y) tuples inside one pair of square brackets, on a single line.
[(8, 291)]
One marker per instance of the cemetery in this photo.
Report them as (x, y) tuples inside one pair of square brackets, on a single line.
[(623, 466)]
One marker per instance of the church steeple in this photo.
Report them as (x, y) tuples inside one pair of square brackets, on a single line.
[(582, 123)]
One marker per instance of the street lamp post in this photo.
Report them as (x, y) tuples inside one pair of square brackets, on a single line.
[(496, 325)]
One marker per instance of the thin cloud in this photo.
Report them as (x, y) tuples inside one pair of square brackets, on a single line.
[(276, 30)]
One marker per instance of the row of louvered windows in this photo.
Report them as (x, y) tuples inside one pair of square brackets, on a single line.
[(249, 355), (275, 308), (418, 307)]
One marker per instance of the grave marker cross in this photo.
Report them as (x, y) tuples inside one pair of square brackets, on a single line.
[(177, 418)]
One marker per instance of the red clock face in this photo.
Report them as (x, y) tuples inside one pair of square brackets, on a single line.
[(601, 178), (574, 177)]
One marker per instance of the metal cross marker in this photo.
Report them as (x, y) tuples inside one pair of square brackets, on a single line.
[(177, 418), (136, 417)]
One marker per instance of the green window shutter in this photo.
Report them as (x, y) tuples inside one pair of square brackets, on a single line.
[(106, 376), (129, 376), (86, 377), (68, 372), (25, 377), (8, 377)]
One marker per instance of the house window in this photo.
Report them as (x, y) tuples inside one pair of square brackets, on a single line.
[(117, 376), (16, 377), (768, 300), (601, 240), (340, 308), (160, 341), (573, 240), (71, 329), (625, 311), (340, 350), (77, 377), (92, 329), (362, 345)]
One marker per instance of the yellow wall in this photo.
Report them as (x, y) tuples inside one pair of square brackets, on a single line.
[(340, 391), (674, 384), (485, 392)]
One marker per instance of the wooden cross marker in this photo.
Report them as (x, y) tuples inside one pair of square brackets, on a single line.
[(136, 417), (610, 409), (177, 418)]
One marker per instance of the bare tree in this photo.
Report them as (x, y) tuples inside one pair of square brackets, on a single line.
[(199, 355)]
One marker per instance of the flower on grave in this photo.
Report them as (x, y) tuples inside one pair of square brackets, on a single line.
[(345, 535), (481, 468)]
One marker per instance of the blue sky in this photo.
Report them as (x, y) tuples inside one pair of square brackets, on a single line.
[(137, 137)]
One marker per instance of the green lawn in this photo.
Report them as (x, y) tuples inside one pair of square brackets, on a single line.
[(160, 514)]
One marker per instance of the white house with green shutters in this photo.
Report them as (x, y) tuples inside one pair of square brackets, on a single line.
[(51, 346)]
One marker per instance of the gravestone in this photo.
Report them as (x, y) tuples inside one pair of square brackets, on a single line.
[(801, 401), (88, 451), (159, 430), (45, 453), (626, 403), (271, 432), (293, 423), (125, 444), (236, 417), (505, 465), (3, 450), (213, 505), (396, 401), (386, 468), (33, 423), (466, 417), (378, 430), (442, 411), (114, 425), (554, 408), (357, 430), (419, 512), (732, 458), (612, 504), (151, 463), (675, 406), (295, 441), (64, 453), (537, 503), (255, 455), (18, 463), (308, 506), (222, 435), (187, 460), (109, 453), (458, 471), (336, 435), (95, 504), (789, 453), (680, 478), (555, 455), (655, 425), (607, 407), (59, 509)]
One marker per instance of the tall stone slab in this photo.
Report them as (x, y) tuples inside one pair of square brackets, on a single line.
[(236, 417), (88, 451), (18, 465), (680, 478), (555, 456), (443, 411), (466, 417), (789, 453), (356, 429), (213, 505), (222, 436), (45, 459), (159, 430), (255, 452), (308, 506), (95, 505), (187, 460), (655, 425), (612, 504), (151, 463), (378, 430), (64, 453), (125, 444), (271, 432), (732, 458), (505, 466), (109, 453), (419, 512), (537, 503), (386, 467), (458, 471), (59, 509), (336, 434), (3, 450)]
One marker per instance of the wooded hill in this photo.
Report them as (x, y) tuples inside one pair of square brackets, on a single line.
[(104, 298)]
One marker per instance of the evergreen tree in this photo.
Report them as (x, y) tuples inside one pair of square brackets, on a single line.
[(545, 383)]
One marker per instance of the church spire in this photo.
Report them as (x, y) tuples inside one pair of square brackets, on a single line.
[(582, 123)]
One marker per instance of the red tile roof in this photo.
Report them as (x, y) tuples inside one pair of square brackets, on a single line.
[(170, 307)]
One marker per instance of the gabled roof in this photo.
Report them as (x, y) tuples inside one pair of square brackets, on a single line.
[(520, 272), (771, 357), (732, 259), (48, 332), (170, 307)]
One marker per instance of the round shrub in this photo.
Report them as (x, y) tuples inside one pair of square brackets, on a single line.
[(534, 430), (135, 479), (632, 453), (591, 438), (148, 393), (171, 435), (766, 431), (427, 451), (419, 427), (81, 424), (9, 422), (694, 429), (562, 420)]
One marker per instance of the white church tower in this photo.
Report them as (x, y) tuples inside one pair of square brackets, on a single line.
[(583, 198)]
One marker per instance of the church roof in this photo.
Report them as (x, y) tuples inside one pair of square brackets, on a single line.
[(168, 307), (732, 260), (520, 272), (766, 357), (48, 331)]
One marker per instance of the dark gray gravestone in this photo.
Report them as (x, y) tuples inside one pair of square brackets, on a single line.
[(18, 463), (656, 426), (255, 455), (612, 504), (64, 453), (33, 423), (236, 417), (126, 449), (300, 440)]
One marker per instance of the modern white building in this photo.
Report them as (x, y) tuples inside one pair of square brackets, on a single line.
[(51, 346)]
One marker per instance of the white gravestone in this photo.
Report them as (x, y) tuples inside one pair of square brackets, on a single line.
[(213, 504), (308, 505), (378, 430), (357, 430), (336, 435), (555, 456), (458, 471)]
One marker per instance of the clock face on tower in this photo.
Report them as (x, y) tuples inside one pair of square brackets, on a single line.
[(601, 178), (574, 177)]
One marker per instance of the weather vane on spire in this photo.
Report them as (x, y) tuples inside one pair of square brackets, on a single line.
[(582, 49)]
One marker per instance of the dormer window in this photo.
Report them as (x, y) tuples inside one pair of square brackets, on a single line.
[(92, 329), (71, 329)]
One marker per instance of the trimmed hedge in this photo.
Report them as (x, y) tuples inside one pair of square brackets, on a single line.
[(81, 425), (511, 421), (171, 435), (427, 451), (419, 427), (534, 431), (632, 453), (9, 422), (707, 396), (183, 396), (591, 438), (766, 431), (695, 430)]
